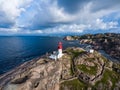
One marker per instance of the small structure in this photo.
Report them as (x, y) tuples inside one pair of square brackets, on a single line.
[(89, 49), (57, 54)]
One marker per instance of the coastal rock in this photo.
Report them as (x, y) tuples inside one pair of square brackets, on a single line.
[(68, 38), (77, 69), (42, 76), (109, 42)]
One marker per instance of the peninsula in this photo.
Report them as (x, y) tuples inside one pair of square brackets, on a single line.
[(75, 70), (109, 42)]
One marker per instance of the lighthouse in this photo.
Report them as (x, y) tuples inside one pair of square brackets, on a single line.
[(60, 49), (57, 54)]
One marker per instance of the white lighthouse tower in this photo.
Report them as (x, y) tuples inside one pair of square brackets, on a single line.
[(60, 50), (57, 54)]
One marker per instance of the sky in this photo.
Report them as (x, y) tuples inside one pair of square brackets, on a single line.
[(59, 17)]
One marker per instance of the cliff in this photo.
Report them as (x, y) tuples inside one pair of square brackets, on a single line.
[(76, 70)]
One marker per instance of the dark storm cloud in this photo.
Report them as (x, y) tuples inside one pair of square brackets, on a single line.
[(47, 25), (72, 6), (104, 5), (4, 21), (6, 24)]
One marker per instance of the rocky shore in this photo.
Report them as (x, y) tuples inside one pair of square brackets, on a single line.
[(39, 74), (76, 70), (109, 42)]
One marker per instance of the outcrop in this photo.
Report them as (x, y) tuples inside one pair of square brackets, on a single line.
[(41, 74), (68, 38), (76, 70), (109, 42)]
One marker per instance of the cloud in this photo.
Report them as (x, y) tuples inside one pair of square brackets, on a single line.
[(105, 5), (72, 6), (46, 14), (10, 10), (58, 16), (80, 28)]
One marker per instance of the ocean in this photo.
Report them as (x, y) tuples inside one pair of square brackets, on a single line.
[(17, 50)]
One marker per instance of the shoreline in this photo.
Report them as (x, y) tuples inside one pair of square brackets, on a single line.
[(43, 71), (109, 42)]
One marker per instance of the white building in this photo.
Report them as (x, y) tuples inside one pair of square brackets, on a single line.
[(89, 49), (57, 54)]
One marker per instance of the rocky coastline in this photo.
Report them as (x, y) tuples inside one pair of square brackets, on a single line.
[(109, 42), (76, 70)]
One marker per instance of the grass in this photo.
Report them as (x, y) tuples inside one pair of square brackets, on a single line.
[(109, 76), (73, 53), (71, 70), (104, 58), (77, 53), (73, 85), (116, 65), (90, 59), (92, 70)]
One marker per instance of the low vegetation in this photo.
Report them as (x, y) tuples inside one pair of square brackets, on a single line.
[(73, 85), (92, 70), (109, 79), (85, 65)]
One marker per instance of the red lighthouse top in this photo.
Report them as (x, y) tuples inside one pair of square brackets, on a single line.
[(60, 45)]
